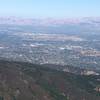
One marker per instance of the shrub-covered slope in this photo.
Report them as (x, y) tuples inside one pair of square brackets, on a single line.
[(25, 81)]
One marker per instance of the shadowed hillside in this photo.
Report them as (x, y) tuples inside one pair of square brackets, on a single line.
[(25, 81)]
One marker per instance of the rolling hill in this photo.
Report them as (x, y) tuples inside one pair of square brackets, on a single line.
[(26, 81)]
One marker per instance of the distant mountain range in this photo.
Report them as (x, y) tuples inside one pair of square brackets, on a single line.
[(49, 21)]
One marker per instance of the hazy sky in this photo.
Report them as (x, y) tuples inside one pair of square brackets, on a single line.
[(50, 8)]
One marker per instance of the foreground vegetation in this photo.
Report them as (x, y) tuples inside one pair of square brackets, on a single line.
[(25, 81)]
